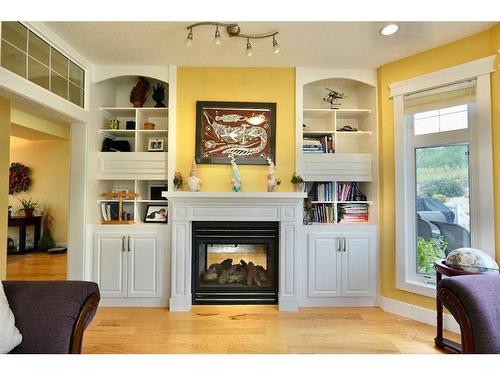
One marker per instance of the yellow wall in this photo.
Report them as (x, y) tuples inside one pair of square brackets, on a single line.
[(474, 47), (236, 84), (4, 180), (49, 164)]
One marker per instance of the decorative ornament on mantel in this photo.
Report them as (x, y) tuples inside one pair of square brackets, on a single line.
[(178, 181), (138, 93), (298, 183), (272, 181), (236, 181), (194, 182)]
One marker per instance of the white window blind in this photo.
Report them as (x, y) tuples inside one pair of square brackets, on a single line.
[(441, 97)]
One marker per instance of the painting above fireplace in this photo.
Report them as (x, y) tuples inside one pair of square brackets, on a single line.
[(244, 130)]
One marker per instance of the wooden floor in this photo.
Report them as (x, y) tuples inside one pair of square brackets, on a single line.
[(236, 329), (36, 266), (256, 329)]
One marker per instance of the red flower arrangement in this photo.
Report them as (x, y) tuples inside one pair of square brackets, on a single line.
[(19, 179)]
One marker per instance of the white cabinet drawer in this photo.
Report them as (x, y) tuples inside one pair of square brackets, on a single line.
[(337, 167), (133, 165)]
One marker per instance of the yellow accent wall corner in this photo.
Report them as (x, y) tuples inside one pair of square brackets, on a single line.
[(477, 46), (243, 85)]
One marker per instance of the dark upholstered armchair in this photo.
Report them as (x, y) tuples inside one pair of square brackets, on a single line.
[(52, 315), (474, 301)]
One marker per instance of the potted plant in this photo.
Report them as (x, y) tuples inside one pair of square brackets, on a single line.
[(178, 181), (47, 241), (29, 206), (298, 183), (138, 93)]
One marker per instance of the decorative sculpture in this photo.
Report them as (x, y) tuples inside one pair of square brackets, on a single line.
[(159, 95), (178, 181), (138, 93), (272, 181), (194, 182), (334, 98), (236, 181)]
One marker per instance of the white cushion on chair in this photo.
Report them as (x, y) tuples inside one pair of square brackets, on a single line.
[(9, 334)]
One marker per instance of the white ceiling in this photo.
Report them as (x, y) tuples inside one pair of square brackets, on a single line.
[(305, 44)]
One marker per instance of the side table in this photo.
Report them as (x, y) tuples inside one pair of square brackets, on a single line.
[(22, 222)]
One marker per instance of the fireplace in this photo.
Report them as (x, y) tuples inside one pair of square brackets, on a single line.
[(235, 262)]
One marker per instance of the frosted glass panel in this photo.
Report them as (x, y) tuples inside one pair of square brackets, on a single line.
[(76, 74), (75, 94), (59, 85), (59, 62), (13, 59), (38, 49), (15, 33), (38, 73)]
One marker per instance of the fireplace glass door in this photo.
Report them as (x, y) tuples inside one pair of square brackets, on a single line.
[(235, 263)]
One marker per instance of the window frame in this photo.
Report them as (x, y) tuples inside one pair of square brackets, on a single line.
[(480, 148)]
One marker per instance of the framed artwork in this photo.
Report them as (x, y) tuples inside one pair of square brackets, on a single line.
[(156, 144), (245, 130), (156, 213), (155, 192)]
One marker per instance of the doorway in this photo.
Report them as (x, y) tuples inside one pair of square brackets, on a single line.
[(39, 183)]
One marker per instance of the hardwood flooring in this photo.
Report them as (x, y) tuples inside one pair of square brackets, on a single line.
[(36, 266), (236, 329), (256, 329)]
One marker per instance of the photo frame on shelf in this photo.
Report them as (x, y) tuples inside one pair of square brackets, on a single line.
[(247, 130), (155, 192), (156, 144), (156, 213)]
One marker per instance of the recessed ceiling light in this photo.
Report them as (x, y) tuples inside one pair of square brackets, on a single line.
[(389, 29)]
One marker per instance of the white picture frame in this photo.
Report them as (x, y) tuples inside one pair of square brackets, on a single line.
[(156, 144)]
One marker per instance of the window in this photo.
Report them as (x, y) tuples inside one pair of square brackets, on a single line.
[(443, 171), (29, 56)]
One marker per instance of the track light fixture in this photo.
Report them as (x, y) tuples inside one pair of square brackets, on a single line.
[(233, 30)]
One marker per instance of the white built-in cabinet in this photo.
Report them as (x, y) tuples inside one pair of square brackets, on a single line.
[(342, 264), (129, 264)]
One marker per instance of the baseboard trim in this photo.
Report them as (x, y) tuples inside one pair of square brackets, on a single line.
[(420, 314)]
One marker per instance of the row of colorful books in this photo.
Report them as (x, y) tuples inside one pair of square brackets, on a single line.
[(322, 191), (318, 145), (346, 191), (323, 213), (352, 212)]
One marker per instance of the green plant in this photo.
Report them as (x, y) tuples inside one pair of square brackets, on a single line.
[(296, 179), (28, 204), (178, 180), (450, 187), (428, 251)]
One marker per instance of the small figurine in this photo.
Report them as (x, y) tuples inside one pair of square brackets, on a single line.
[(178, 181), (272, 181), (194, 182), (114, 124), (334, 98), (159, 95), (236, 181)]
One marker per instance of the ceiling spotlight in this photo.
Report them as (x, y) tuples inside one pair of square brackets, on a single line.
[(389, 29), (249, 48), (276, 46), (217, 39), (189, 39)]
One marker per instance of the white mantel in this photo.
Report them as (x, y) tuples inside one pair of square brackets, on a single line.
[(185, 207)]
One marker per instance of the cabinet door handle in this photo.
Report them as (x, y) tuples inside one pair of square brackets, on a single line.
[(345, 244), (339, 239), (128, 244), (123, 243)]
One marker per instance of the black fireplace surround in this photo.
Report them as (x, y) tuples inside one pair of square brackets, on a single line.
[(235, 262)]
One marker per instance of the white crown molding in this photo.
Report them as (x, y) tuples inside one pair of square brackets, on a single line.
[(442, 77)]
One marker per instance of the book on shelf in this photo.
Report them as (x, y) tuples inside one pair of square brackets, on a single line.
[(321, 191), (353, 212), (319, 145), (110, 211), (323, 213), (349, 191)]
